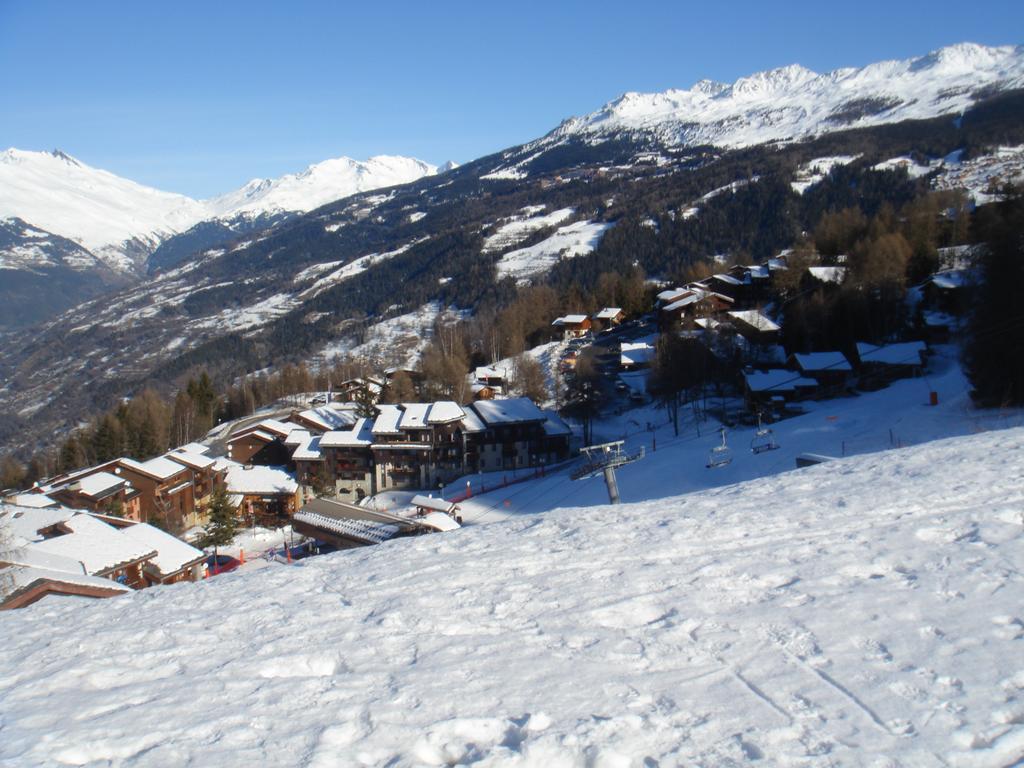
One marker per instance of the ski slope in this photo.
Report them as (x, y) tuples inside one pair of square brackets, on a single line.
[(870, 422), (864, 612)]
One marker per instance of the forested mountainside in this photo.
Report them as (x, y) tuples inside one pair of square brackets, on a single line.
[(470, 238)]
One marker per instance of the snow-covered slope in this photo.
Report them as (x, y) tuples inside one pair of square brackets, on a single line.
[(122, 222), (861, 613), (117, 219), (319, 184), (794, 102)]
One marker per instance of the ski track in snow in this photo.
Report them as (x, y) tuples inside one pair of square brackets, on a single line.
[(864, 612)]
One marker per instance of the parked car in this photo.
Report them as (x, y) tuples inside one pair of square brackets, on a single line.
[(223, 564)]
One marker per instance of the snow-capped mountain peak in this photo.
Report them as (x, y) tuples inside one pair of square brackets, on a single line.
[(318, 185), (121, 221), (794, 102)]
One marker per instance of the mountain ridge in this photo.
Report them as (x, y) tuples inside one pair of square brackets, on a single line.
[(122, 222), (674, 115)]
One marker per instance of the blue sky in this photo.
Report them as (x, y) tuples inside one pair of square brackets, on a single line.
[(199, 97)]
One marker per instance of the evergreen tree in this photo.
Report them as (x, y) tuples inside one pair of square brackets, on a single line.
[(222, 525), (995, 347)]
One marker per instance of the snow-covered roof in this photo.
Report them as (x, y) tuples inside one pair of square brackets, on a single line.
[(553, 425), (707, 323), (360, 434), (331, 416), (670, 295), (193, 448), (727, 279), (828, 274), (951, 279), (444, 412), (759, 271), (99, 484), (429, 502), (172, 554), (297, 437), (511, 411), (35, 500), (905, 353), (777, 264), (362, 530), (98, 546), (388, 418), (684, 300), (191, 460), (160, 468), (822, 361), (487, 372), (308, 449), (257, 480), (471, 422), (25, 577), (25, 522), (609, 313), (755, 319), (776, 381), (572, 319), (275, 427), (414, 416), (31, 556), (439, 521), (635, 353)]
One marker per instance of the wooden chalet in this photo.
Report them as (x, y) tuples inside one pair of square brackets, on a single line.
[(98, 490), (267, 495), (512, 434), (490, 376), (65, 551), (573, 326), (484, 391), (610, 316), (879, 366), (681, 306), (347, 460), (261, 443), (206, 478), (165, 488), (417, 445), (775, 388), (755, 327), (353, 390), (325, 417), (831, 370)]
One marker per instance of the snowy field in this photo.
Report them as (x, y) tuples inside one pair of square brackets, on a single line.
[(567, 242), (861, 613)]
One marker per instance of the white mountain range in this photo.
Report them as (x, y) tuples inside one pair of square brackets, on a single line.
[(793, 102), (121, 221)]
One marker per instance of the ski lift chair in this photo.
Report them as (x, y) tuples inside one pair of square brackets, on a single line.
[(763, 440), (720, 455)]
